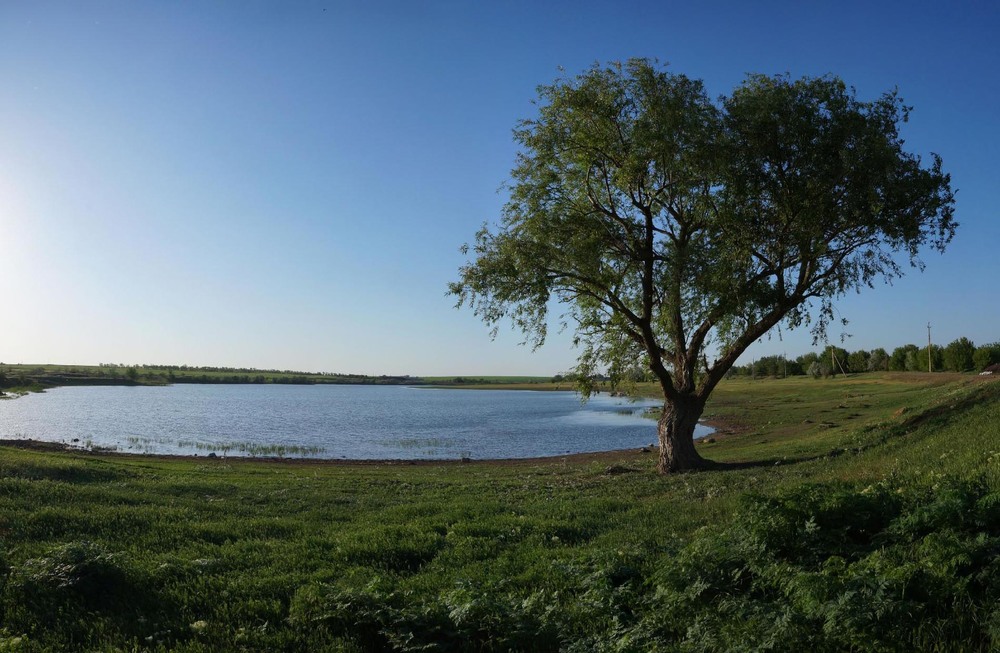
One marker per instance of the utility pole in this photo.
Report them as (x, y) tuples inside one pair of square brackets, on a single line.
[(929, 359), (784, 366)]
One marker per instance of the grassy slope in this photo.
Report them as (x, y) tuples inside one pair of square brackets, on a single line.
[(135, 552)]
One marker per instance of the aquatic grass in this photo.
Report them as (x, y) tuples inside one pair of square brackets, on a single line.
[(416, 443), (279, 450), (247, 448)]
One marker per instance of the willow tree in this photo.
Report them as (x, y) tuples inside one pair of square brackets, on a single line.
[(678, 230)]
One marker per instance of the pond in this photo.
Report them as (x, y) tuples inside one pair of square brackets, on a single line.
[(330, 421)]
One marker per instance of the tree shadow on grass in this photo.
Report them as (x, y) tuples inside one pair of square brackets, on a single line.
[(716, 466)]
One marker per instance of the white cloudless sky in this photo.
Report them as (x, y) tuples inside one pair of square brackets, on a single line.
[(286, 185)]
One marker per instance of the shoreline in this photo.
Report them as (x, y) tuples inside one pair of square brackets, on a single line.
[(723, 430), (61, 447)]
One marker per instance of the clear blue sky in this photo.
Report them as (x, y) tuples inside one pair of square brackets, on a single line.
[(287, 184)]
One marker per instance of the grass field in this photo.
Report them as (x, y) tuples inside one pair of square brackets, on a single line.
[(864, 514)]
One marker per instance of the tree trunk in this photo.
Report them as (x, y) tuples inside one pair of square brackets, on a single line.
[(676, 434)]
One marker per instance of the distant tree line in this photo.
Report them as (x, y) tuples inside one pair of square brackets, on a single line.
[(239, 371), (960, 355), (114, 374)]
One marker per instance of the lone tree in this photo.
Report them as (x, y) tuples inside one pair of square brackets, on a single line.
[(674, 228)]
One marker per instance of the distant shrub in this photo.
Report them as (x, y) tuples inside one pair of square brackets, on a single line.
[(858, 361), (986, 355), (959, 355), (818, 370)]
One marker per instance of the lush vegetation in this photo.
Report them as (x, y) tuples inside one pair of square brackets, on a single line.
[(484, 380), (34, 378), (675, 230), (864, 514), (960, 355)]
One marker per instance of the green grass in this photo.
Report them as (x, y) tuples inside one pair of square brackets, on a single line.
[(866, 516)]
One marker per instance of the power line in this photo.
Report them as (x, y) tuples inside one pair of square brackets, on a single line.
[(930, 359)]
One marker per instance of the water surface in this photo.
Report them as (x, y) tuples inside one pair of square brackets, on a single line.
[(329, 421)]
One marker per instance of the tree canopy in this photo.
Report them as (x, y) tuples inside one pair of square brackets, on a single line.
[(673, 227)]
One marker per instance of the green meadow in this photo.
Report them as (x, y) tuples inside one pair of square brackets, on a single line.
[(859, 513)]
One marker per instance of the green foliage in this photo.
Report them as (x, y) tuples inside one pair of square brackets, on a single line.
[(494, 617), (771, 366), (900, 359), (806, 360), (829, 569), (906, 358), (835, 358), (878, 361), (818, 370), (879, 530), (664, 220), (919, 359), (858, 361), (958, 355), (57, 375), (985, 356)]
